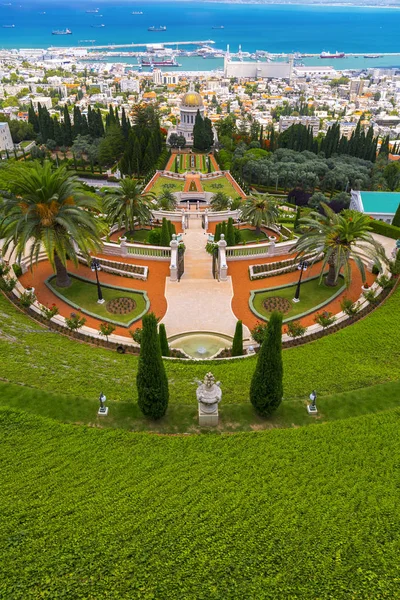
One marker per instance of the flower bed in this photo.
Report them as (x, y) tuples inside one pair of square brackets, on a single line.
[(277, 268), (277, 303), (121, 306), (121, 268)]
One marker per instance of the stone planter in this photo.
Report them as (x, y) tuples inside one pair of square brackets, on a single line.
[(365, 288), (30, 290)]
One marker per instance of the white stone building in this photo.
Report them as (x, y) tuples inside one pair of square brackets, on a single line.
[(191, 103), (6, 142)]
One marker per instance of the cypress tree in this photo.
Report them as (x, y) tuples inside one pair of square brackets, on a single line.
[(33, 118), (164, 239), (217, 234), (230, 233), (396, 218), (124, 124), (77, 126), (151, 379), (297, 219), (163, 340), (67, 127), (223, 228), (237, 345), (99, 124), (266, 389)]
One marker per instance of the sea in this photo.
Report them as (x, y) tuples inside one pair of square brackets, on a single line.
[(275, 28)]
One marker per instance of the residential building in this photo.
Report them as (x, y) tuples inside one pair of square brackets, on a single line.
[(6, 142)]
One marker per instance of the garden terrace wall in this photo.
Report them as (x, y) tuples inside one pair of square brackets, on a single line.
[(120, 268), (278, 268), (139, 250), (259, 250)]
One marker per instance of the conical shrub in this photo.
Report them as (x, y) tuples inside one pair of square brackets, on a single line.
[(162, 334)]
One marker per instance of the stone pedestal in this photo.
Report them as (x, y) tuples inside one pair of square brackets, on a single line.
[(208, 396), (312, 410), (208, 419), (103, 412)]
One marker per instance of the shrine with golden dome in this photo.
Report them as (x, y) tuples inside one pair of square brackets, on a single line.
[(191, 103)]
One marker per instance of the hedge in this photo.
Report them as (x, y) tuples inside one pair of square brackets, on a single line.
[(385, 229), (297, 513)]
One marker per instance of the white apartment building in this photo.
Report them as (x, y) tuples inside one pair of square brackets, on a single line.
[(44, 101), (286, 122), (6, 142), (129, 85)]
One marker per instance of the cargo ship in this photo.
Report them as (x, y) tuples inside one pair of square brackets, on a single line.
[(159, 28), (93, 12), (137, 12), (217, 27), (8, 26), (329, 55), (372, 55), (97, 26), (61, 32), (159, 62)]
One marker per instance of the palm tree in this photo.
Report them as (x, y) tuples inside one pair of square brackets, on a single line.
[(167, 200), (219, 201), (126, 204), (48, 209), (258, 210), (340, 237)]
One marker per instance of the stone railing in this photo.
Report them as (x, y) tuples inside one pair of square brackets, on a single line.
[(278, 268), (259, 250), (140, 250)]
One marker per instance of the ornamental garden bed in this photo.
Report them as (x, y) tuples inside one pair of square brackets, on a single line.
[(313, 296), (82, 295)]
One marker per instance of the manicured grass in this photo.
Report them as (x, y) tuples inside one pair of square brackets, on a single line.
[(250, 235), (312, 293), (139, 235), (84, 295), (303, 513), (227, 187), (173, 185), (364, 354)]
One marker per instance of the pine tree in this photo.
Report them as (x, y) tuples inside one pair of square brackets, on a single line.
[(165, 238), (237, 344), (266, 389), (151, 379), (396, 218), (163, 340)]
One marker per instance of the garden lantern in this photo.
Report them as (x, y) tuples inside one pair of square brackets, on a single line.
[(95, 266)]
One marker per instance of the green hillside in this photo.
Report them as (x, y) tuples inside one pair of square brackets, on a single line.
[(301, 513)]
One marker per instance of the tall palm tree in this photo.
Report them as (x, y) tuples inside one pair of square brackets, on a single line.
[(340, 237), (167, 200), (259, 209), (126, 204), (48, 209)]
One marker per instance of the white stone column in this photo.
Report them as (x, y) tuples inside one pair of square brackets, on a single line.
[(206, 220), (173, 267), (183, 221), (271, 249), (222, 264), (123, 246)]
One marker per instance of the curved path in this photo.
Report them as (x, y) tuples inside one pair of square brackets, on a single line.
[(199, 302)]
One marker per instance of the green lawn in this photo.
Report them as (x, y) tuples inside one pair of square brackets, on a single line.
[(84, 295), (173, 186), (364, 354), (212, 185), (249, 235), (303, 513), (139, 235), (312, 294)]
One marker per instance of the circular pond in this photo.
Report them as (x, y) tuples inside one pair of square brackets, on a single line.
[(200, 345)]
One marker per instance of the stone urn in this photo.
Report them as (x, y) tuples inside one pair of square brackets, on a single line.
[(208, 396)]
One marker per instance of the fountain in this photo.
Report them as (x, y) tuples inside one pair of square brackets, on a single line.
[(200, 344)]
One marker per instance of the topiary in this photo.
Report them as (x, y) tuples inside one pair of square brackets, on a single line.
[(163, 340), (266, 389), (237, 344), (151, 379)]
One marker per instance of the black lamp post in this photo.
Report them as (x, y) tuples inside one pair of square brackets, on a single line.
[(303, 266), (95, 266)]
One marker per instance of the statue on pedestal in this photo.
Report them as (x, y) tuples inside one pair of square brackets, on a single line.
[(208, 395)]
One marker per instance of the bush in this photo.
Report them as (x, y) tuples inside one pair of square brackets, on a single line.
[(163, 340), (4, 269), (8, 285), (324, 319), (385, 282), (136, 335), (370, 296), (375, 270), (385, 229), (395, 265), (295, 329), (75, 321), (50, 312), (151, 380), (26, 299), (106, 329), (237, 345), (155, 237), (17, 269), (259, 332), (349, 307), (266, 389)]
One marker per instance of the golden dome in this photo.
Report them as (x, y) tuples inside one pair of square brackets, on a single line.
[(192, 99)]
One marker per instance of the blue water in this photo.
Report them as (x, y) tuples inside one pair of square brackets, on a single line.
[(277, 28)]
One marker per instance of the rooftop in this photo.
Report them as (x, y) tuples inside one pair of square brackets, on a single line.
[(380, 202)]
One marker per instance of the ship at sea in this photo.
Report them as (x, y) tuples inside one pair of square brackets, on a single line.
[(372, 55), (61, 32), (159, 62), (93, 12), (329, 55), (159, 28), (137, 12), (97, 26), (217, 27), (8, 26)]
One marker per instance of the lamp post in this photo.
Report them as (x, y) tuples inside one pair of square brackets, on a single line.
[(303, 266), (312, 408), (95, 266)]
